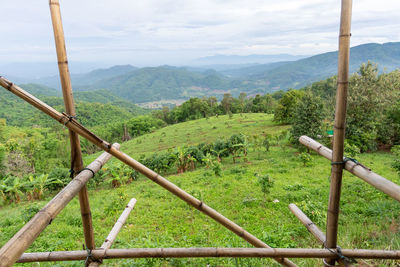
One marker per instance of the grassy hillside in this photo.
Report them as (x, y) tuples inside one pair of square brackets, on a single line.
[(368, 218)]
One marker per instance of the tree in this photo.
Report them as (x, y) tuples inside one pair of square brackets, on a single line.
[(285, 110), (227, 102), (308, 117), (368, 98)]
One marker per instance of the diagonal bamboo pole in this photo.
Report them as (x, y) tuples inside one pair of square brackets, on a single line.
[(340, 123), (313, 229), (14, 248), (73, 125), (115, 230), (361, 171), (76, 154), (209, 252)]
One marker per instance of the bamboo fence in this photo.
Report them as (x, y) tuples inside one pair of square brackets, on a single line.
[(14, 248), (73, 125)]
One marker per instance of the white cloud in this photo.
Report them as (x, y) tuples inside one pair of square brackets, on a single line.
[(166, 31)]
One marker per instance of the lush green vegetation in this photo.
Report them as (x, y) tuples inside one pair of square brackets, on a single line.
[(238, 151), (247, 192)]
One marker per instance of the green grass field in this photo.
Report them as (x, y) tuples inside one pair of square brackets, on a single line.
[(368, 219)]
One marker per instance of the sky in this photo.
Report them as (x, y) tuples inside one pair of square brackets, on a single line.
[(175, 32)]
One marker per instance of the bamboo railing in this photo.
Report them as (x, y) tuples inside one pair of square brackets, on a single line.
[(76, 154), (72, 124), (208, 252), (339, 126), (359, 170), (13, 249)]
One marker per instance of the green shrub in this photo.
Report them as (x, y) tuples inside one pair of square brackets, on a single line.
[(305, 158), (61, 174), (265, 182)]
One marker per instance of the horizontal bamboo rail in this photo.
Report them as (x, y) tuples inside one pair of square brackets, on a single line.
[(311, 227), (73, 125), (209, 252), (377, 181), (115, 230), (14, 248)]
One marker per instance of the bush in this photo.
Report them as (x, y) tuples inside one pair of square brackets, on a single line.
[(396, 163), (61, 174), (305, 158), (266, 183)]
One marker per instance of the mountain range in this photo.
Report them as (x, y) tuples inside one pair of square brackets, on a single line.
[(139, 85)]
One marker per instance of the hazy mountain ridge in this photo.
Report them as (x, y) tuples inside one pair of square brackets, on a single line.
[(139, 85)]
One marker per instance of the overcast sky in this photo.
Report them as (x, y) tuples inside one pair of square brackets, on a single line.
[(155, 32)]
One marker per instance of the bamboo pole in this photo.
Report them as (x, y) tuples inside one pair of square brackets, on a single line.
[(361, 171), (115, 230), (311, 227), (209, 252), (76, 154), (13, 249), (73, 125), (340, 123)]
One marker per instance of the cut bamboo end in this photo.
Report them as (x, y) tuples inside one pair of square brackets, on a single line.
[(360, 171)]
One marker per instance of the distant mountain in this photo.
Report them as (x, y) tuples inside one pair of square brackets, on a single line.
[(165, 82), (134, 85), (79, 80), (250, 59), (40, 90), (304, 71)]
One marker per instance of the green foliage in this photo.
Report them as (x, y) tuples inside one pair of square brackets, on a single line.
[(351, 149), (285, 111), (265, 182), (117, 204), (11, 189), (396, 163), (305, 158), (60, 174), (307, 119), (266, 143), (213, 163), (118, 174), (237, 144)]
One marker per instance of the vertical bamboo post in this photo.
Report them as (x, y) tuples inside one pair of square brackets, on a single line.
[(76, 154), (340, 122)]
